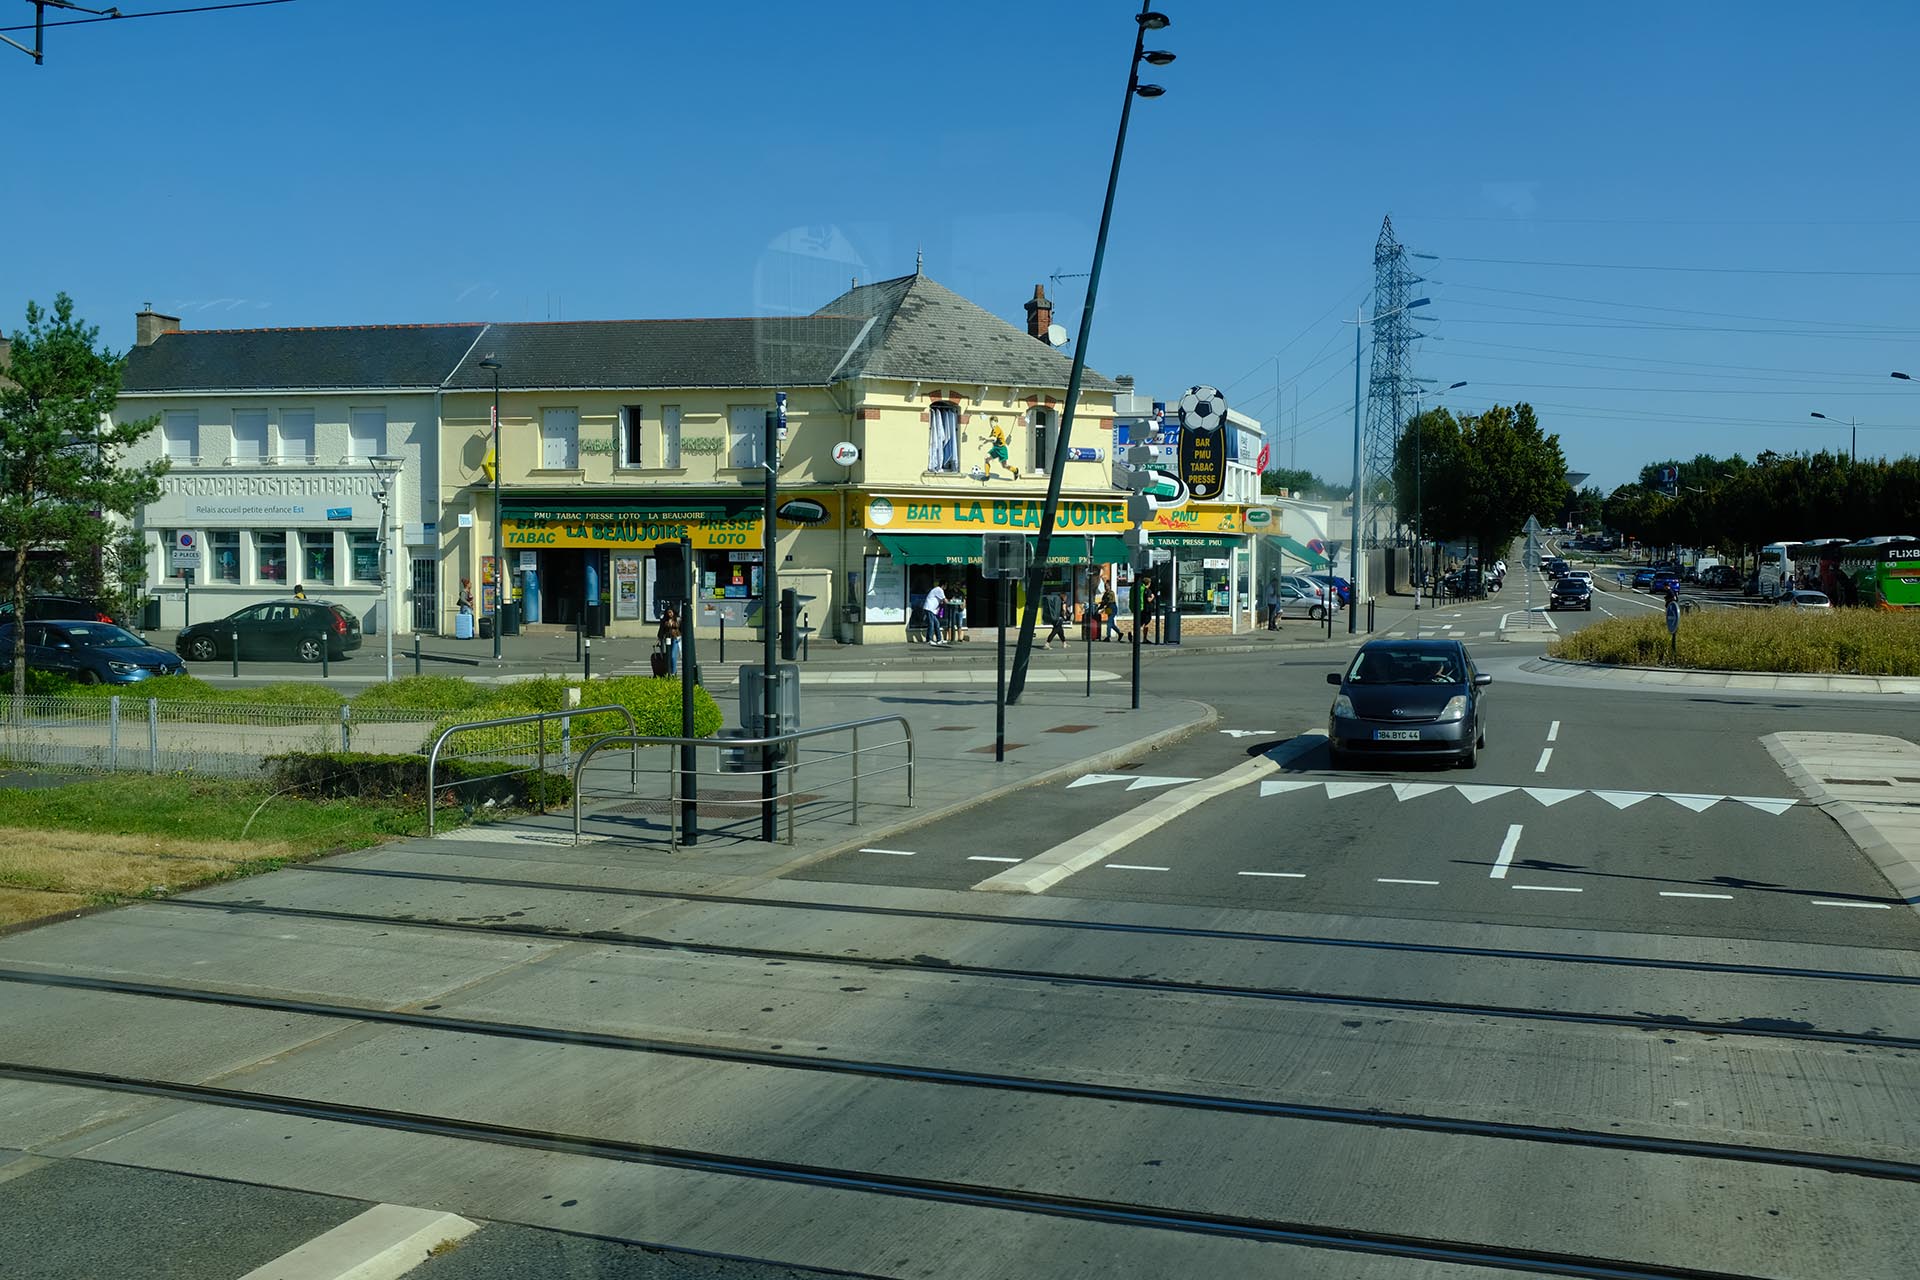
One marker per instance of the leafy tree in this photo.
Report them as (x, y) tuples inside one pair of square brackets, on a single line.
[(1481, 476), (1584, 506), (61, 451), (1301, 483)]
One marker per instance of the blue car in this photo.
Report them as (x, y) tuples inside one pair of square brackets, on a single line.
[(91, 652), (1341, 587), (1643, 580)]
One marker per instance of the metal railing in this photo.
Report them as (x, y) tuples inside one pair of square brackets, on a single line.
[(540, 719), (782, 761)]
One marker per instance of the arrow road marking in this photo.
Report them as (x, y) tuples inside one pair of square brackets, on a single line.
[(1250, 733), (1095, 779), (1141, 784)]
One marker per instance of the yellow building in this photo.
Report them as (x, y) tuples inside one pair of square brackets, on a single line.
[(618, 436)]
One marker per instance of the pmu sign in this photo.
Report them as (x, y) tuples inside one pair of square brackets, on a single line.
[(1203, 462)]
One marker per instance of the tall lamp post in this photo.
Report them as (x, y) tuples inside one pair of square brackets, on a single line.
[(1146, 20), (1353, 551), (386, 469), (1853, 447), (1419, 506), (499, 534)]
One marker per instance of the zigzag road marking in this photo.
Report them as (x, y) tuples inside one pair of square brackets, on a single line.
[(1546, 796)]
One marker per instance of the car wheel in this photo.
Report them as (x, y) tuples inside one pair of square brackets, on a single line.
[(310, 649), (1589, 606), (1315, 612), (202, 649), (1336, 757), (1471, 756), (85, 676)]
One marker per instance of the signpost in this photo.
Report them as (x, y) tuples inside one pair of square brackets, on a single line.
[(1531, 558), (1673, 623), (1003, 557)]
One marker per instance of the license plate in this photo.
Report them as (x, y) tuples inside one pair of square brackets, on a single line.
[(1396, 735)]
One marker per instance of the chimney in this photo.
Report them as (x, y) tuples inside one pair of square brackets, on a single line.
[(149, 324), (1039, 314)]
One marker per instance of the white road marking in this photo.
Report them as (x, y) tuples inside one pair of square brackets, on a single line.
[(1140, 784), (1135, 782), (1546, 754), (1337, 789), (1273, 787), (1385, 880), (982, 857), (1095, 779), (1553, 732), (1127, 866), (1277, 875), (1414, 790), (1697, 803), (1547, 888), (1623, 799), (1250, 733), (1505, 860), (1765, 804), (1550, 796), (1669, 893), (1475, 794), (898, 853), (1871, 906), (1487, 634)]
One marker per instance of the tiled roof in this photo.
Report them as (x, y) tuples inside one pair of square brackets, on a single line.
[(374, 356), (925, 330), (769, 351)]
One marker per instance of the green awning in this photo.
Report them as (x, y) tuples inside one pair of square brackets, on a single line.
[(964, 548), (1206, 543), (1299, 551)]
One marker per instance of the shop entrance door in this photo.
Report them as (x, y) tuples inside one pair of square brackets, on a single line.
[(563, 586)]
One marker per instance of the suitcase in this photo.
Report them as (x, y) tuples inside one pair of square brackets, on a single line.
[(659, 663)]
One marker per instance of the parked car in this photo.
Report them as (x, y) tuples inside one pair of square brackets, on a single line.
[(1571, 593), (1804, 600), (1463, 582), (1339, 584), (91, 652), (1308, 586), (1417, 698), (44, 608), (1295, 603), (1720, 576), (304, 630)]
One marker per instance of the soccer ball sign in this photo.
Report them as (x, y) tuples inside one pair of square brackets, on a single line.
[(1203, 409)]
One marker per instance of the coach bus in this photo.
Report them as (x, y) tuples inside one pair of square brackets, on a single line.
[(1880, 573)]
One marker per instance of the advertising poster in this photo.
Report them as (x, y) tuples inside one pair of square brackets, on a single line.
[(626, 586), (886, 594)]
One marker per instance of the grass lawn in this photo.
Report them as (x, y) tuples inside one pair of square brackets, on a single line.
[(1866, 642), (133, 836)]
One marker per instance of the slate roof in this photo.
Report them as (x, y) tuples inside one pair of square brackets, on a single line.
[(768, 351), (372, 356), (927, 331)]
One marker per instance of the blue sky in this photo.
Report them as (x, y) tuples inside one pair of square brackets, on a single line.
[(345, 161)]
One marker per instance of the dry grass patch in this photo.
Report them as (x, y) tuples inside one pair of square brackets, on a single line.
[(90, 865)]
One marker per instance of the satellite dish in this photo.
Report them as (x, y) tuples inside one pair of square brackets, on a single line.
[(1057, 335)]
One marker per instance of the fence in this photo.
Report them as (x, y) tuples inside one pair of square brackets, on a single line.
[(149, 735), (781, 758), (495, 741)]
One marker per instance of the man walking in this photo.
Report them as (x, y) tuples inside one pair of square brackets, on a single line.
[(936, 600), (1273, 607), (1054, 606)]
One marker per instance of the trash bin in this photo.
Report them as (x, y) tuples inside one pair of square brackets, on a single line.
[(509, 617), (486, 626), (150, 614)]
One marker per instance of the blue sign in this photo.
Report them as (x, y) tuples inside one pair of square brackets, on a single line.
[(1673, 617), (339, 513), (1078, 454)]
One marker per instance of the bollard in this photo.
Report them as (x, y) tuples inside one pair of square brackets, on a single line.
[(235, 637), (806, 637), (579, 633), (113, 732), (346, 728), (326, 662), (153, 735), (416, 653), (1369, 615), (723, 639), (587, 671)]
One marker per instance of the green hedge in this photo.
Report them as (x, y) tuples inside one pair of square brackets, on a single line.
[(358, 775), (1791, 641), (655, 705)]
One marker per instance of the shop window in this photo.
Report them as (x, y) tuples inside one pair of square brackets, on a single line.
[(316, 556), (366, 434), (1044, 424), (363, 546), (180, 430), (943, 437), (630, 436), (249, 436), (746, 423), (670, 435), (270, 555), (560, 439), (225, 545), (296, 435)]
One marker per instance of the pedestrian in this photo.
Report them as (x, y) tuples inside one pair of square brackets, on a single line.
[(957, 610), (466, 595), (668, 639), (1109, 611), (1273, 607), (1150, 613), (1053, 609), (936, 601), (299, 591)]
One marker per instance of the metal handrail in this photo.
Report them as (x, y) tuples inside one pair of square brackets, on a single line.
[(539, 717), (790, 767)]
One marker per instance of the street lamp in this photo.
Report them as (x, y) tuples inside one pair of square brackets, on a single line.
[(1146, 20), (1419, 505), (386, 470), (499, 553), (1353, 552), (1853, 451)]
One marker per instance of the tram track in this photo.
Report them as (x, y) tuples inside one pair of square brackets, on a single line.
[(1768, 1028), (1558, 1135), (1077, 1208), (1150, 930)]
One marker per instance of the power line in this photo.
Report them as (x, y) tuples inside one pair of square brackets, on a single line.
[(1339, 303), (1603, 355), (1834, 379), (1717, 271), (1643, 306), (152, 13), (1677, 222), (1660, 328)]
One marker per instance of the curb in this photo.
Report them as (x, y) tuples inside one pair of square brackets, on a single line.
[(1714, 678), (1900, 866), (1086, 764)]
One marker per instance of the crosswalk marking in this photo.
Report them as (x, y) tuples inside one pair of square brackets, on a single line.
[(1474, 793), (1135, 782)]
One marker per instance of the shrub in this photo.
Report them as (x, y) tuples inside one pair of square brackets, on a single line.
[(1786, 641), (423, 693), (327, 775), (655, 705)]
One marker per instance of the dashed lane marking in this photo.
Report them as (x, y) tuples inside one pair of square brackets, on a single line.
[(1128, 866), (1275, 875), (1547, 888), (1870, 906), (983, 857), (1505, 859), (1553, 732), (898, 853), (1546, 754), (1674, 893), (1386, 880)]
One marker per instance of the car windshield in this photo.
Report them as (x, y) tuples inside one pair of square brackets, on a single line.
[(1406, 666), (99, 635)]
